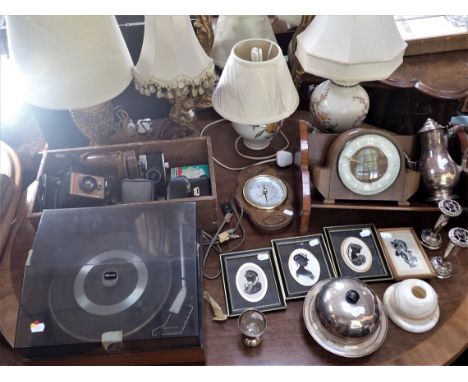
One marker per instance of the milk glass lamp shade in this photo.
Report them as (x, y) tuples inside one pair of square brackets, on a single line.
[(172, 59), (230, 30), (255, 91), (347, 50), (69, 62)]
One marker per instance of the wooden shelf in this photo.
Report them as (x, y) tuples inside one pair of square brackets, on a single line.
[(413, 207)]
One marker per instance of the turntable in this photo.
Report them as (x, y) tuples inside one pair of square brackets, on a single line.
[(112, 280)]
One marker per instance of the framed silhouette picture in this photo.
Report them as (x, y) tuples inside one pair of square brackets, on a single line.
[(251, 281), (405, 254), (302, 262), (356, 252)]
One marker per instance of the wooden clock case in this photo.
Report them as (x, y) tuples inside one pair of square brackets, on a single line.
[(328, 183)]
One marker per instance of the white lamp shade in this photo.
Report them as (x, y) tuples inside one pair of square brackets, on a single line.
[(255, 92), (230, 30), (171, 56), (351, 49), (69, 62)]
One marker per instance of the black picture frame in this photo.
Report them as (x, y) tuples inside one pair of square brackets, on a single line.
[(251, 281), (357, 252), (302, 261)]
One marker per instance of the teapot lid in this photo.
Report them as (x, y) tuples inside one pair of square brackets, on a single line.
[(431, 125)]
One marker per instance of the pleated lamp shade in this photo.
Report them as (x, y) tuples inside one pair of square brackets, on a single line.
[(69, 62), (230, 30), (255, 92), (172, 58), (351, 49)]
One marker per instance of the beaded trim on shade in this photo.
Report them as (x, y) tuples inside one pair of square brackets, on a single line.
[(179, 86)]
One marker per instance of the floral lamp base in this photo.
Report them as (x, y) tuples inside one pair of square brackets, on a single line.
[(257, 137), (337, 108)]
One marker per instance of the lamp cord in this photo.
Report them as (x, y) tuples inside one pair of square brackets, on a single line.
[(238, 212), (263, 160)]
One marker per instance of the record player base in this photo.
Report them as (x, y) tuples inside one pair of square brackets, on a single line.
[(185, 356)]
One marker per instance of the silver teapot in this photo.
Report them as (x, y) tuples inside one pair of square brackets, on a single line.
[(439, 172)]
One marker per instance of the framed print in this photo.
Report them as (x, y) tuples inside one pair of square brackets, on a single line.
[(405, 254), (301, 262), (356, 252), (251, 281)]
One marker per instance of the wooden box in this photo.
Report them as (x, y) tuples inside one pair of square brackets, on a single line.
[(182, 152)]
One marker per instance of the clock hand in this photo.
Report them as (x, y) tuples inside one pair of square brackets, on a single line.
[(351, 159), (265, 192)]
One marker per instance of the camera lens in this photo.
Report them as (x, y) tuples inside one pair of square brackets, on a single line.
[(154, 174), (88, 183)]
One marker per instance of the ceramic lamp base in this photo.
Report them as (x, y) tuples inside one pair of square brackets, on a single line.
[(412, 305), (257, 137), (337, 108)]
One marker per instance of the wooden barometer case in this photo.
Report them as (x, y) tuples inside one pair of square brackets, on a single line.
[(266, 198)]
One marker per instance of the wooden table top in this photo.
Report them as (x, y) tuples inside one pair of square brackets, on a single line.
[(286, 341)]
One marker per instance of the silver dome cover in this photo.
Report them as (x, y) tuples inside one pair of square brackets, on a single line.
[(345, 317)]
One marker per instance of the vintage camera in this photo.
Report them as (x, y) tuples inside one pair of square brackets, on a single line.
[(74, 189), (152, 167)]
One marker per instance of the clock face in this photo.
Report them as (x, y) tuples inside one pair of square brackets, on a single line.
[(369, 164), (265, 191)]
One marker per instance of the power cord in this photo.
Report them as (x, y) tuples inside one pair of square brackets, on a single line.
[(263, 160), (235, 209)]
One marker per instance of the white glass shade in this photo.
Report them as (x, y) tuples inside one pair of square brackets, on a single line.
[(171, 57), (69, 62), (255, 92), (230, 30), (351, 49)]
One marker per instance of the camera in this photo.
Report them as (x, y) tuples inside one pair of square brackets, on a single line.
[(152, 167), (74, 189)]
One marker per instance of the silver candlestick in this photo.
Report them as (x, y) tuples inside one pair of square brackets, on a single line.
[(430, 238), (458, 239)]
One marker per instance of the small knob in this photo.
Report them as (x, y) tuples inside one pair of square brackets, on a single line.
[(352, 296)]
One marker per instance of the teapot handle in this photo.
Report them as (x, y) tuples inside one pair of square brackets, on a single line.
[(457, 129), (411, 164)]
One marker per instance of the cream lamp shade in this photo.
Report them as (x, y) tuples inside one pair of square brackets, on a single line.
[(69, 62), (230, 30), (255, 91), (172, 59), (347, 50)]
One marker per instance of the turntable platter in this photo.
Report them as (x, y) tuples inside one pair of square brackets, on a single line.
[(113, 291)]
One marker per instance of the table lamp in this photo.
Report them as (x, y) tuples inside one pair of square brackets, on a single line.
[(229, 30), (173, 65), (347, 50), (75, 63), (255, 91)]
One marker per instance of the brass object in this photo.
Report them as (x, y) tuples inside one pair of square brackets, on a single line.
[(458, 240), (345, 317), (218, 314), (271, 210), (183, 113), (297, 72), (431, 238), (95, 122), (204, 31), (252, 324)]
